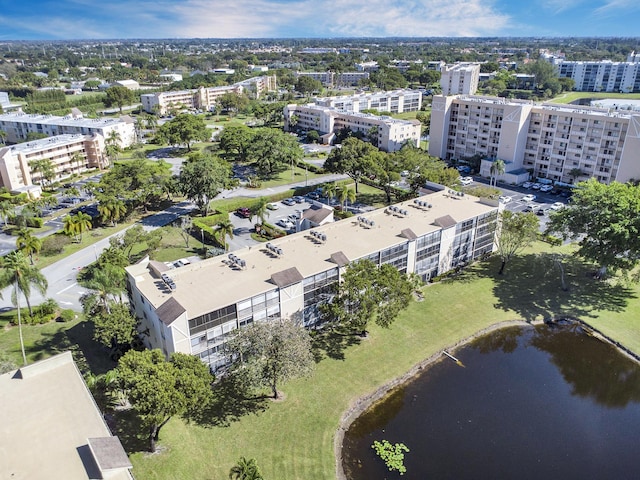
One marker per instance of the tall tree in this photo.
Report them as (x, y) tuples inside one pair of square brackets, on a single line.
[(224, 229), (115, 329), (17, 272), (368, 292), (307, 85), (160, 389), (273, 151), (28, 243), (265, 354), (118, 96), (354, 159), (185, 129), (260, 209), (202, 177), (497, 169), (44, 167), (235, 140), (6, 209), (76, 225), (346, 194), (112, 209), (517, 231), (605, 220)]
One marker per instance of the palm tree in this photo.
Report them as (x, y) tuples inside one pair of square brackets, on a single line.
[(44, 167), (76, 225), (16, 271), (245, 470), (330, 190), (112, 210), (112, 146), (6, 209), (225, 229), (260, 210), (78, 160), (28, 243), (497, 169), (346, 194)]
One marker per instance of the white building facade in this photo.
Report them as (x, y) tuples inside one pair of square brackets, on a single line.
[(395, 101), (602, 76), (460, 79), (561, 143)]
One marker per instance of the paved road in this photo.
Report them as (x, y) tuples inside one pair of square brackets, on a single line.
[(62, 275)]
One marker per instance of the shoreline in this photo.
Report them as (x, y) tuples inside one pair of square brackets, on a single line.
[(361, 404)]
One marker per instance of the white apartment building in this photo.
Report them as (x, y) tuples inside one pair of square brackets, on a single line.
[(18, 124), (70, 153), (331, 79), (204, 98), (460, 79), (192, 309), (561, 143), (602, 76), (395, 101), (391, 134)]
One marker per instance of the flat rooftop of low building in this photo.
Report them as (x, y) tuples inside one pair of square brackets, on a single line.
[(48, 417), (56, 120), (215, 282), (49, 142)]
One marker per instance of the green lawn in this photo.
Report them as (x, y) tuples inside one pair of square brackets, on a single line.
[(569, 97), (293, 439)]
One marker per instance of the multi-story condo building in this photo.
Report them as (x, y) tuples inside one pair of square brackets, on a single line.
[(204, 98), (67, 153), (386, 133), (602, 76), (396, 101), (461, 78), (18, 124), (332, 79), (561, 143), (192, 309)]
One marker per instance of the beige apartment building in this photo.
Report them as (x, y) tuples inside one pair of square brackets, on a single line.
[(390, 133), (394, 101), (204, 98), (68, 154), (193, 308), (561, 143), (332, 79)]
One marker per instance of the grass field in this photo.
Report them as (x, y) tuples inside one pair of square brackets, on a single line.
[(293, 439), (569, 97)]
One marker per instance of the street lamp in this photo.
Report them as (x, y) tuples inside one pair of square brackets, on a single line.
[(202, 237)]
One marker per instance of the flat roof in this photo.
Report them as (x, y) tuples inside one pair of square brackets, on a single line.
[(48, 417), (49, 142), (21, 117), (216, 282)]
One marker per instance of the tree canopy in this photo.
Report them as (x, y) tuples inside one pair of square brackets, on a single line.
[(272, 151), (517, 231), (202, 177), (159, 389), (118, 96), (185, 129), (354, 158), (605, 219)]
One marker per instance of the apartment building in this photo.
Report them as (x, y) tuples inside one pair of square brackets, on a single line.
[(390, 134), (562, 143), (395, 101), (602, 76), (68, 154), (460, 79), (192, 309), (332, 79), (204, 98), (18, 124)]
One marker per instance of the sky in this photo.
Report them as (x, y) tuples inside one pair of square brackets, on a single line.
[(120, 19)]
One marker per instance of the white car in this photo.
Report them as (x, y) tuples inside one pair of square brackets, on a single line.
[(546, 188), (536, 186), (557, 206), (466, 180), (504, 198), (272, 206), (528, 198), (527, 185), (286, 224)]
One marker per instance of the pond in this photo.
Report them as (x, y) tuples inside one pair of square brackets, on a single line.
[(530, 403)]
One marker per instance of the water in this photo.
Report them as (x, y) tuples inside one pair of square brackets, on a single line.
[(531, 403)]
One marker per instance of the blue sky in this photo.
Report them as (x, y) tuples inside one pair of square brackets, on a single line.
[(96, 19)]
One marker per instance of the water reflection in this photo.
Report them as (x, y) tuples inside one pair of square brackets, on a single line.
[(532, 403)]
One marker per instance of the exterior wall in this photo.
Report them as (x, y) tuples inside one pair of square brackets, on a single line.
[(461, 78), (551, 141), (603, 76), (396, 101), (15, 161)]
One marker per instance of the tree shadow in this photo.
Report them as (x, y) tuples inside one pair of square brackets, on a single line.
[(331, 343), (230, 402), (532, 287), (130, 430), (88, 354)]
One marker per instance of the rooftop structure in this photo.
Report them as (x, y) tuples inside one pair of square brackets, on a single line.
[(190, 309), (51, 427)]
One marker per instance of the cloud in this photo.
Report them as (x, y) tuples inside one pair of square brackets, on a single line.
[(616, 7), (559, 6)]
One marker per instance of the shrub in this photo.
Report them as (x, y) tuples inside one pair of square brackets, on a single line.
[(67, 315), (54, 244), (49, 307)]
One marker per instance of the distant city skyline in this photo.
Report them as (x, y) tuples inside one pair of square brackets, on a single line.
[(122, 19)]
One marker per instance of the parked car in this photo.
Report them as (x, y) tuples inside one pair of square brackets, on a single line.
[(530, 208), (541, 211), (504, 198), (243, 212), (546, 188), (312, 196), (528, 198), (527, 185), (289, 201), (298, 199), (272, 206), (536, 186), (285, 223), (466, 180), (557, 206)]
